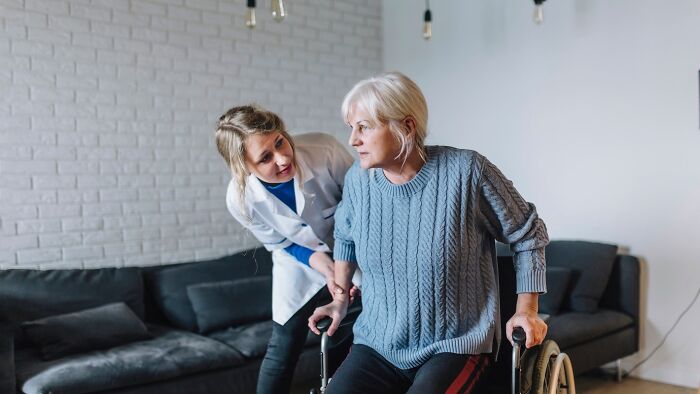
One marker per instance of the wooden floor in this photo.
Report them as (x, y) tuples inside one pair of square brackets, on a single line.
[(598, 384)]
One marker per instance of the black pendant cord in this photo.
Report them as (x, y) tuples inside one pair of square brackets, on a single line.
[(428, 16)]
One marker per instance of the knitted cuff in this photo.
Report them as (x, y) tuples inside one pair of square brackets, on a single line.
[(344, 251), (531, 282)]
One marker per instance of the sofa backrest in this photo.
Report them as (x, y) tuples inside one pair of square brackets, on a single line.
[(34, 294), (622, 292), (620, 281), (166, 287)]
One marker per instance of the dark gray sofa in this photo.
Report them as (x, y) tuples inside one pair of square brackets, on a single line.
[(177, 359), (598, 318)]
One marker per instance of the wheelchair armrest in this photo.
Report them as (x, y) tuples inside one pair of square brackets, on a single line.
[(350, 317), (7, 359)]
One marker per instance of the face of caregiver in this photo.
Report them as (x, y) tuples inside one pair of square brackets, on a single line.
[(270, 157)]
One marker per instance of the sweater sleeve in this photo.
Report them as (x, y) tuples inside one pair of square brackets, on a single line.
[(512, 220), (344, 248)]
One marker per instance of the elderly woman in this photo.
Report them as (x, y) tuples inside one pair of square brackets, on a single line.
[(420, 222)]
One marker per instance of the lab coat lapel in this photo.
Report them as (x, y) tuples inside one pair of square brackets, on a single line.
[(304, 197), (273, 208)]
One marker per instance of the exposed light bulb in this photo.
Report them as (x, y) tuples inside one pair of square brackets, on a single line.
[(427, 25), (250, 15), (538, 16), (278, 11)]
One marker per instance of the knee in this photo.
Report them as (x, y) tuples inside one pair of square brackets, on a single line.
[(284, 345)]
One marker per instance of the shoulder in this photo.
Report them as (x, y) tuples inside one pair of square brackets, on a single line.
[(319, 150), (356, 175), (463, 158)]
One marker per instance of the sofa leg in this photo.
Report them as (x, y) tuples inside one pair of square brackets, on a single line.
[(618, 370)]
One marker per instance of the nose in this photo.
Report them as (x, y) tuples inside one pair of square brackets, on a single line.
[(354, 140), (281, 159)]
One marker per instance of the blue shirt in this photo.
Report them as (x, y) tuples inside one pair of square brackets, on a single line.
[(285, 193)]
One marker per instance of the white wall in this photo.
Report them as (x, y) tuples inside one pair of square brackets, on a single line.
[(108, 107), (594, 115)]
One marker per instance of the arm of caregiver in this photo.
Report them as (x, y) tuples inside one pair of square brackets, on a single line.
[(337, 309)]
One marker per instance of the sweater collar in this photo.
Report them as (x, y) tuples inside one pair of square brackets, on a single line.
[(414, 185)]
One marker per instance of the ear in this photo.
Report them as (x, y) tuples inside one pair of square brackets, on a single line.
[(409, 126)]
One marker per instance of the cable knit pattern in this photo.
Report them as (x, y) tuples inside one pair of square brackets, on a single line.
[(426, 249)]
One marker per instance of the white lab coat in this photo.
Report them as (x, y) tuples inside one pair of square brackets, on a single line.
[(323, 162)]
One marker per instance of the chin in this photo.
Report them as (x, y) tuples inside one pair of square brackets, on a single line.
[(285, 178), (365, 164)]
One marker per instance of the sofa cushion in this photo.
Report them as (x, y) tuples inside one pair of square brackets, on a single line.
[(90, 329), (572, 328), (33, 294), (168, 355), (557, 283), (590, 264), (251, 340), (169, 286), (7, 359), (230, 303)]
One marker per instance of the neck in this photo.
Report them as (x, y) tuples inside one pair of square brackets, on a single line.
[(399, 172)]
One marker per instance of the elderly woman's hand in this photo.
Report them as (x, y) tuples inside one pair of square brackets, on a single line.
[(336, 310), (526, 317)]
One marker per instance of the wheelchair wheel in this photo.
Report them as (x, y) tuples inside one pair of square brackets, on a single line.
[(546, 370)]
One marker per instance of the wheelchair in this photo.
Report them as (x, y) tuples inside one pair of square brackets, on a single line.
[(542, 369)]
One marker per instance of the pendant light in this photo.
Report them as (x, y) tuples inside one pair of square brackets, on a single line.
[(250, 15), (538, 16), (278, 11), (427, 22)]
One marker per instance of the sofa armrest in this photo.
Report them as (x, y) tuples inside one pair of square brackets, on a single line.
[(622, 292), (7, 359)]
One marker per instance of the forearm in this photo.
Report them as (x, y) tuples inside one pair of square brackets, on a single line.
[(322, 263), (527, 303), (344, 270)]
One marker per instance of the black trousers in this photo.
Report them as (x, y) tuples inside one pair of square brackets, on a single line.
[(287, 342), (365, 371)]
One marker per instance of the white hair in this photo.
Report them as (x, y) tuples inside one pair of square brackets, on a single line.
[(389, 98)]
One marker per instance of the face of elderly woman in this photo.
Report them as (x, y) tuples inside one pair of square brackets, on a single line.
[(375, 144)]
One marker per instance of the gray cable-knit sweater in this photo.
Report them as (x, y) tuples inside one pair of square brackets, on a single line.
[(426, 251)]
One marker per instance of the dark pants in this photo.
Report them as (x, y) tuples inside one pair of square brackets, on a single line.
[(365, 371), (287, 343)]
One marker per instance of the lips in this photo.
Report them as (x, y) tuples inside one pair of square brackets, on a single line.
[(286, 170)]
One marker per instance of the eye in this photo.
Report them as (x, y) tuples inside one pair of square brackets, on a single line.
[(265, 158), (279, 143)]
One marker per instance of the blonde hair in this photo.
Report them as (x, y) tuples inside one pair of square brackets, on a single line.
[(389, 98), (232, 130)]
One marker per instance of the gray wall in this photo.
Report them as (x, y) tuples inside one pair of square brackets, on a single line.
[(108, 109), (594, 116)]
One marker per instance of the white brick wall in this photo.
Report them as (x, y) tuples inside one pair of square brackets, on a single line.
[(107, 110)]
